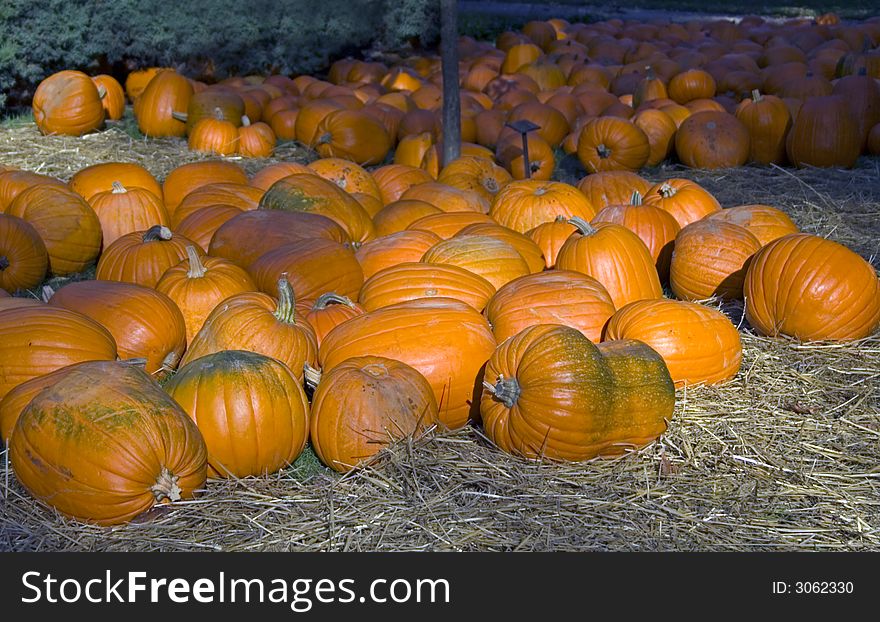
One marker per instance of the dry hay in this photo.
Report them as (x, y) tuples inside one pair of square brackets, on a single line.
[(784, 457)]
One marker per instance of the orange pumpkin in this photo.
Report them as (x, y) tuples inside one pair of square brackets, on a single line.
[(399, 215), (448, 224), (188, 177), (495, 260), (255, 140), (393, 249), (690, 85), (523, 205), (329, 311), (764, 222), (712, 140), (349, 176), (23, 256), (824, 134), (612, 144), (524, 245), (142, 257), (14, 182), (268, 175), (167, 92), (200, 225), (686, 200), (447, 198), (125, 210), (242, 196), (549, 238), (113, 98), (215, 136), (413, 280), (68, 102), (660, 130), (395, 179), (352, 135), (768, 122), (612, 187), (97, 178)]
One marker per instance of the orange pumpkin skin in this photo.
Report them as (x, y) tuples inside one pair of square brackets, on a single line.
[(23, 257), (768, 121), (553, 297), (550, 393), (444, 339), (13, 182), (352, 135), (329, 311), (660, 130), (198, 284), (365, 403), (397, 216), (712, 140), (447, 198), (395, 179), (217, 136), (448, 224), (614, 256), (69, 228), (524, 245), (113, 100), (824, 134), (36, 340), (105, 443), (811, 289), (92, 180), (691, 84), (143, 257), (137, 81), (550, 236), (349, 176), (258, 420), (14, 403), (612, 187), (188, 177), (523, 205), (126, 210), (242, 196), (764, 222), (710, 259), (414, 280), (256, 322), (256, 140), (495, 260), (166, 93), (472, 172), (144, 323), (268, 175), (684, 199), (68, 102), (612, 144), (394, 249), (200, 225), (698, 344)]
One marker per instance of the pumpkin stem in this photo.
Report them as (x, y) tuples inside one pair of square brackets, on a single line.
[(505, 390), (166, 487), (179, 116), (137, 362), (636, 198), (491, 185), (196, 267), (311, 376), (169, 363), (666, 191), (218, 113), (324, 300), (323, 140), (756, 96), (649, 73), (603, 151), (4, 263), (47, 292), (157, 232), (245, 120), (560, 218), (102, 91), (582, 225), (286, 309), (118, 188)]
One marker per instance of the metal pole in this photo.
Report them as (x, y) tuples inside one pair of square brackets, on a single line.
[(451, 98)]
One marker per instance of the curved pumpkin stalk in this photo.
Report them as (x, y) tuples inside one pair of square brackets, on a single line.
[(311, 376), (156, 233), (582, 225), (505, 390), (286, 309)]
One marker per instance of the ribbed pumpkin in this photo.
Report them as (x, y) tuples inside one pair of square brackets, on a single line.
[(689, 85), (474, 173), (684, 199), (444, 339), (862, 94), (14, 402), (68, 102), (698, 344), (523, 205), (349, 176), (315, 195), (768, 121), (812, 289), (255, 140), (92, 180), (250, 409), (542, 159), (200, 225), (712, 140), (447, 224), (612, 187), (660, 130), (651, 87), (36, 340), (352, 135), (113, 100), (13, 182), (394, 249), (550, 393), (105, 443), (365, 403), (824, 134), (257, 322), (137, 80), (764, 222), (710, 259), (142, 257), (268, 175), (67, 225), (144, 323), (495, 260), (399, 215), (23, 257), (126, 210), (168, 92), (447, 198), (188, 177), (242, 196), (214, 103), (614, 256), (524, 245), (198, 284), (214, 136), (552, 297), (655, 227), (395, 179), (550, 236), (329, 311), (612, 144), (414, 280)]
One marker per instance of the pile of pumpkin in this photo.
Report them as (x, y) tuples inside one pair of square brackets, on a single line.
[(621, 96), (401, 301)]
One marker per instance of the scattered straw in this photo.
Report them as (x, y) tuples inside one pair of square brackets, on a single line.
[(784, 457)]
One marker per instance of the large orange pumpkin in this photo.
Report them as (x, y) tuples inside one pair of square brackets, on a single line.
[(711, 140), (329, 311), (125, 210), (764, 222), (824, 134), (188, 177), (612, 187), (413, 280), (394, 249), (523, 205), (395, 179), (686, 200), (768, 121), (612, 144), (143, 257), (97, 178), (493, 259), (68, 102), (23, 257), (352, 135), (167, 92)]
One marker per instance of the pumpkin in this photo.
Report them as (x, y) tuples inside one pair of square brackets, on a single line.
[(242, 196), (812, 289), (255, 140), (660, 130), (612, 144), (523, 205), (123, 210), (314, 266), (495, 260), (553, 125), (524, 245), (92, 180), (256, 322), (710, 259), (352, 135), (13, 182), (35, 340), (200, 225), (105, 443), (712, 140), (198, 284), (549, 238), (14, 402), (399, 215), (553, 297), (137, 80), (824, 134), (542, 160), (394, 249), (656, 227), (444, 339), (214, 136), (113, 99), (365, 403), (142, 257), (168, 92), (329, 311), (550, 393), (447, 198), (768, 121), (686, 200), (67, 225), (245, 237), (268, 175), (395, 179), (651, 87), (23, 257), (250, 409), (144, 323), (188, 177), (698, 344), (221, 104), (862, 94), (413, 280), (690, 85), (448, 224), (612, 188), (68, 102), (315, 195), (614, 256), (474, 173), (349, 176), (873, 141), (764, 222), (411, 150)]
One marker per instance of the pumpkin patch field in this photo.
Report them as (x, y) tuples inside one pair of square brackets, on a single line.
[(639, 310)]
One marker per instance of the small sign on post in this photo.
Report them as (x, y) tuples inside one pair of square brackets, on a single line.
[(524, 126)]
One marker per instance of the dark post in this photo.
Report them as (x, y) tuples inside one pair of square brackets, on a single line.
[(451, 99), (524, 127)]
